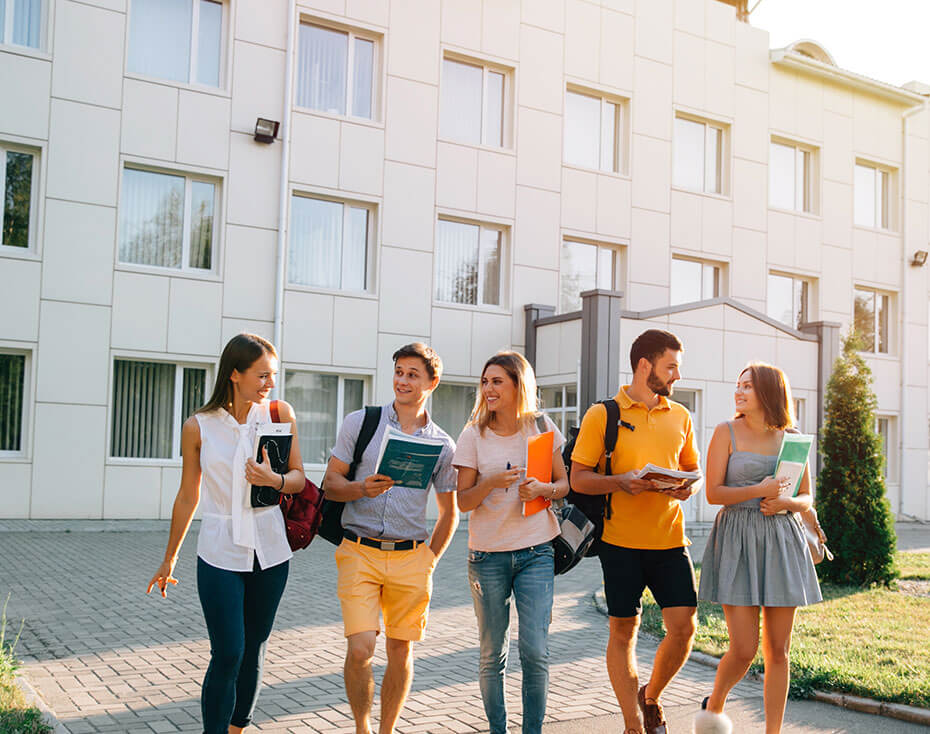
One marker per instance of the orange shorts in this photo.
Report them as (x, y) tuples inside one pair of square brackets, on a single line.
[(396, 584)]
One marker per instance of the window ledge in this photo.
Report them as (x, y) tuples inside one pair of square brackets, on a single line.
[(19, 253), (203, 89), (876, 230), (14, 458), (209, 276), (366, 295), (496, 310), (27, 51), (707, 194), (883, 356), (481, 146), (377, 124), (598, 171), (796, 213), (151, 463)]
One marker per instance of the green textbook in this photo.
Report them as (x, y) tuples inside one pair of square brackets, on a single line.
[(792, 458), (409, 460)]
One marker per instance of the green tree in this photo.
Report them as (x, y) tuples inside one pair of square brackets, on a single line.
[(851, 501)]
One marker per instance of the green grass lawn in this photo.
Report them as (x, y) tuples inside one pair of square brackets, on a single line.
[(16, 717), (868, 642)]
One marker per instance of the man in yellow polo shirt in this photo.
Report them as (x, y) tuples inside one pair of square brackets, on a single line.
[(644, 541)]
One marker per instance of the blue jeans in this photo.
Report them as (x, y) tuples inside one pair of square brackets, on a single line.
[(528, 576), (239, 609)]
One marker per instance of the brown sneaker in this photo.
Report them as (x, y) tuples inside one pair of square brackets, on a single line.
[(653, 716)]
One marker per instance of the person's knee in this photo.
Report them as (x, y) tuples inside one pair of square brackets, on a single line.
[(623, 631), (360, 649), (398, 651), (534, 653), (227, 660), (776, 652), (744, 651), (682, 627)]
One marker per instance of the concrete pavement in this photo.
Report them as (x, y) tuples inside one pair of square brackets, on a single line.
[(107, 658)]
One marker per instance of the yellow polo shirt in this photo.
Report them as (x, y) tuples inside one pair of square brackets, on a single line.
[(663, 436)]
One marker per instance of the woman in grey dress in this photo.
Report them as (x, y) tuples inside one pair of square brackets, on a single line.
[(756, 556)]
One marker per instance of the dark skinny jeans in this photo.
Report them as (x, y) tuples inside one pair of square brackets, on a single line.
[(239, 609)]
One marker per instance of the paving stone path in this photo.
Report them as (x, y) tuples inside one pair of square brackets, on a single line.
[(107, 658)]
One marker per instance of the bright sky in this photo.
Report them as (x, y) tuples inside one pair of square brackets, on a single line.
[(888, 40)]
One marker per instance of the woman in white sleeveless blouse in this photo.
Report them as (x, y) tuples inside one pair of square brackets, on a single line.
[(242, 552)]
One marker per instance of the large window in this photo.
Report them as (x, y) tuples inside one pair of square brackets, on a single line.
[(592, 132), (167, 220), (791, 184), (17, 178), (150, 402), (787, 300), (469, 263), (872, 197), (451, 407), (472, 107), (582, 267), (180, 40), (329, 244), (320, 402), (699, 156), (872, 320), (336, 71), (560, 403), (12, 399), (21, 22), (693, 280)]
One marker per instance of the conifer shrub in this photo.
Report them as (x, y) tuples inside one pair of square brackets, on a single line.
[(851, 500)]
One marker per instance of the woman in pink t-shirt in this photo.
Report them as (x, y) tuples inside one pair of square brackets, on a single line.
[(510, 556)]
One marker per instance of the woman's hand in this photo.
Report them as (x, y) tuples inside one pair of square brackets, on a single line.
[(531, 488), (262, 475), (163, 576), (774, 505), (502, 480), (771, 487)]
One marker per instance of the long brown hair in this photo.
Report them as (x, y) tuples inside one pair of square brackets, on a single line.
[(773, 392), (520, 371), (239, 354)]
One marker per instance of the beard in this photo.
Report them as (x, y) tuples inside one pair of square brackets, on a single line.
[(653, 382)]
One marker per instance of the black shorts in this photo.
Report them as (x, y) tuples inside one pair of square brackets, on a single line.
[(628, 571)]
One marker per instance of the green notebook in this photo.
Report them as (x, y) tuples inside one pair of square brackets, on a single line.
[(792, 458)]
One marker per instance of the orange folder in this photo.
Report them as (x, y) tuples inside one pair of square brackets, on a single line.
[(539, 466)]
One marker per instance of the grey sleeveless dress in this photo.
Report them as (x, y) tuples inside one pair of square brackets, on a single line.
[(752, 559)]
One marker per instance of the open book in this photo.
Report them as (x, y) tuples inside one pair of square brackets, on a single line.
[(277, 438), (409, 460), (667, 478)]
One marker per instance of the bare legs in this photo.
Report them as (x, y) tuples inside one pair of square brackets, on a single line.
[(743, 628), (680, 624), (360, 684)]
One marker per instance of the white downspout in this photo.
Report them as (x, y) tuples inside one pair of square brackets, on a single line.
[(281, 254)]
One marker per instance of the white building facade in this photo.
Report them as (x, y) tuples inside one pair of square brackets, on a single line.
[(440, 164)]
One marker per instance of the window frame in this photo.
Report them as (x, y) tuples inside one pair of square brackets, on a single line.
[(371, 206), (25, 418), (884, 196), (366, 378), (807, 297), (34, 198), (507, 103), (723, 128), (180, 364), (621, 126), (619, 256), (224, 60), (6, 40), (475, 387), (377, 66), (806, 176), (559, 415), (889, 444), (719, 278), (891, 316), (505, 265)]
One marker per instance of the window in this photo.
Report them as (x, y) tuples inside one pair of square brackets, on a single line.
[(698, 156), (790, 177), (17, 176), (469, 261), (150, 402), (788, 300), (451, 407), (180, 40), (872, 197), (692, 280), (336, 71), (166, 220), (320, 402), (883, 429), (560, 403), (583, 267), (329, 244), (21, 22), (871, 320), (472, 104), (12, 398), (799, 415), (592, 132)]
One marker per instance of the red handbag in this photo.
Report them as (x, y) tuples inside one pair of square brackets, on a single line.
[(302, 511)]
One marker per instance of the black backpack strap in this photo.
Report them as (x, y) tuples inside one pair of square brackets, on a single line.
[(610, 431), (365, 434)]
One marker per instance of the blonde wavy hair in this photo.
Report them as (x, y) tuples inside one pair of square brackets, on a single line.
[(520, 371)]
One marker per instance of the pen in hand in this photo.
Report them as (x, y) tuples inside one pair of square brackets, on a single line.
[(507, 488)]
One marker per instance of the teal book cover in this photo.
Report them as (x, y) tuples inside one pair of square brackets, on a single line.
[(409, 460), (792, 458)]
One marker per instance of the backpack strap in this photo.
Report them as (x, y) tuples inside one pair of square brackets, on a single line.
[(610, 431), (365, 434), (541, 423), (273, 408)]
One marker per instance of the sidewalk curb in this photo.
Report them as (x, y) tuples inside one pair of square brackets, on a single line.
[(911, 714), (34, 699)]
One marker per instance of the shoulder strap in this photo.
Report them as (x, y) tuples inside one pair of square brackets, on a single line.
[(369, 426), (541, 423), (732, 435), (273, 407), (610, 431)]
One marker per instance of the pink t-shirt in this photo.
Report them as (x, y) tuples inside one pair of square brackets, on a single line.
[(497, 524)]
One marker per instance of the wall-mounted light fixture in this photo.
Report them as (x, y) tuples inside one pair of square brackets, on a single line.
[(919, 259), (266, 130)]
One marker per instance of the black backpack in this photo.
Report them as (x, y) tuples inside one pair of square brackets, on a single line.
[(331, 525), (595, 506)]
